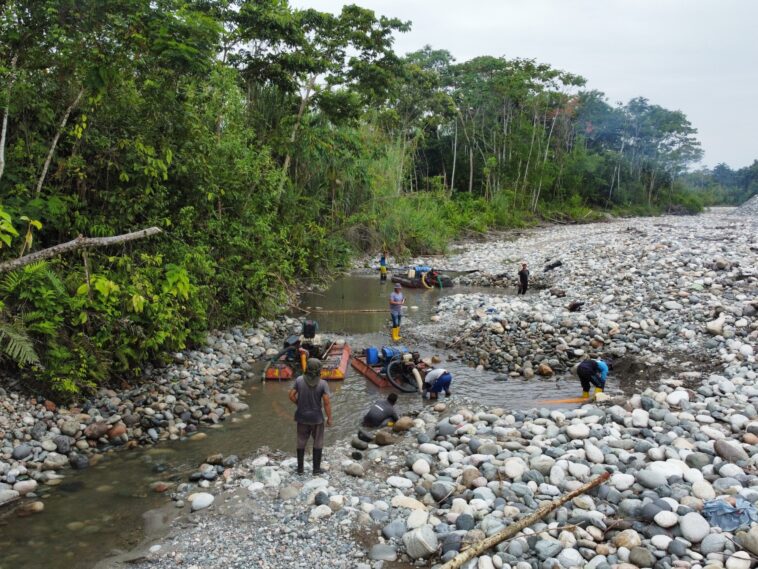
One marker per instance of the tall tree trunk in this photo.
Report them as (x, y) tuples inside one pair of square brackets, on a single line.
[(293, 135), (544, 161), (57, 136), (470, 169), (650, 189), (617, 171), (529, 156), (6, 111), (455, 156)]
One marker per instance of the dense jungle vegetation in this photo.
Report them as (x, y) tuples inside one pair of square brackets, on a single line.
[(269, 144)]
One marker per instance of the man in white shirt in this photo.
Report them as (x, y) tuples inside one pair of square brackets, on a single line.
[(437, 381)]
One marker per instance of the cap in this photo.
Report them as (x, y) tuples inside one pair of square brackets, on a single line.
[(313, 365)]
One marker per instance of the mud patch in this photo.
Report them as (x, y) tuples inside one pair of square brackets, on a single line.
[(634, 374)]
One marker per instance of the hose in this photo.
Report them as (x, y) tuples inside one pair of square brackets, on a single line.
[(419, 381), (399, 382), (423, 281)]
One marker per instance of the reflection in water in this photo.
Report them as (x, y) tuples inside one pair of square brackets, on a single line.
[(92, 512)]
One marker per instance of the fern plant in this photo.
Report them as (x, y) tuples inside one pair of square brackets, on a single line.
[(16, 345)]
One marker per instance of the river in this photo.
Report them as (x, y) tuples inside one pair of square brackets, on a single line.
[(102, 510)]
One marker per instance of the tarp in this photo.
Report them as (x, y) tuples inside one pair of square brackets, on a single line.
[(728, 517)]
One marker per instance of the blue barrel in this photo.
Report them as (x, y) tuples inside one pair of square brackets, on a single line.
[(372, 356)]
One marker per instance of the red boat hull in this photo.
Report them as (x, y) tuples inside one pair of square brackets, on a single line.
[(333, 366)]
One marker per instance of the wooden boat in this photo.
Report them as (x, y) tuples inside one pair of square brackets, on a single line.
[(334, 364), (372, 373), (424, 280), (376, 375)]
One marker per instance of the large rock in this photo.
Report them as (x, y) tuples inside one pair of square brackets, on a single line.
[(407, 502), (748, 540), (641, 557), (570, 557), (23, 487), (384, 438), (729, 451), (421, 542), (651, 479), (268, 476), (694, 527), (22, 451), (627, 538), (96, 430), (640, 418), (201, 500), (402, 424), (355, 469), (55, 461), (70, 428), (716, 327), (578, 431), (399, 482), (7, 496)]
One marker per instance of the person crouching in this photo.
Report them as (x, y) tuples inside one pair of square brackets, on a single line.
[(436, 381)]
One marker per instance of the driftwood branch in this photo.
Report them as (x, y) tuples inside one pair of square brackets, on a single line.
[(458, 561), (80, 242)]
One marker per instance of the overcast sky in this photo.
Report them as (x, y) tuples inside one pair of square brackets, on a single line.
[(698, 56)]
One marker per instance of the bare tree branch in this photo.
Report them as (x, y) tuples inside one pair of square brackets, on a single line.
[(49, 158), (80, 242)]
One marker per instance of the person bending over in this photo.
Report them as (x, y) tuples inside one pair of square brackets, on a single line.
[(592, 372), (381, 412), (437, 381)]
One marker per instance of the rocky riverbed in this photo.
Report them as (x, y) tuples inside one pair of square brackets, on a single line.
[(39, 439), (655, 289), (673, 291)]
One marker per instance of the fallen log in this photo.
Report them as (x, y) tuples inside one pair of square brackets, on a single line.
[(80, 242), (344, 311), (473, 551)]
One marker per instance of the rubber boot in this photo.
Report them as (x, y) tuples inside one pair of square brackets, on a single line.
[(300, 460), (585, 394), (598, 390), (399, 337), (317, 460), (395, 334)]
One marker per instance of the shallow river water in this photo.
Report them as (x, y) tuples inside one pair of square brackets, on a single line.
[(95, 512)]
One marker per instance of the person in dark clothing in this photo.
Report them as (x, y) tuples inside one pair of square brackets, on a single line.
[(381, 412), (592, 372), (523, 279), (309, 393)]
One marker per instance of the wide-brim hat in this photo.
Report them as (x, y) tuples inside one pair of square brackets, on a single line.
[(398, 285)]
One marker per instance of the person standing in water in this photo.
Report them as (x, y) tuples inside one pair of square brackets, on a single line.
[(396, 311), (523, 279), (383, 267), (309, 393)]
